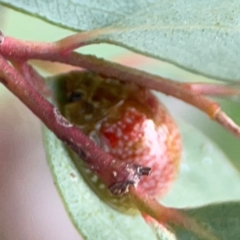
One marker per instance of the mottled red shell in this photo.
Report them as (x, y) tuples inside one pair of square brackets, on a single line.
[(128, 122)]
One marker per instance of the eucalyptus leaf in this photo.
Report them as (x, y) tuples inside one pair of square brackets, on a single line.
[(205, 173), (228, 143), (221, 219), (200, 36)]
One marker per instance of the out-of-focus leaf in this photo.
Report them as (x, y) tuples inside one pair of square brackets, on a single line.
[(201, 36), (228, 143), (205, 174), (223, 220)]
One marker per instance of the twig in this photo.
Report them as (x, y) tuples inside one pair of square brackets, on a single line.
[(213, 89), (103, 164), (33, 77), (16, 49)]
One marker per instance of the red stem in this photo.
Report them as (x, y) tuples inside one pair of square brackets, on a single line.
[(97, 160), (33, 77), (15, 49), (213, 89)]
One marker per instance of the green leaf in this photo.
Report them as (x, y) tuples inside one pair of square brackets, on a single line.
[(200, 36), (228, 143), (223, 220), (205, 174)]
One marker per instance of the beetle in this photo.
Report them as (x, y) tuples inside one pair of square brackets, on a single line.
[(128, 122)]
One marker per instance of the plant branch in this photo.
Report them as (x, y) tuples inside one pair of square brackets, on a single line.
[(213, 89), (33, 77), (77, 40), (16, 49), (103, 164)]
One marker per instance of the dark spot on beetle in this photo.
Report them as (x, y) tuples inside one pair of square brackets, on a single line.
[(75, 96)]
